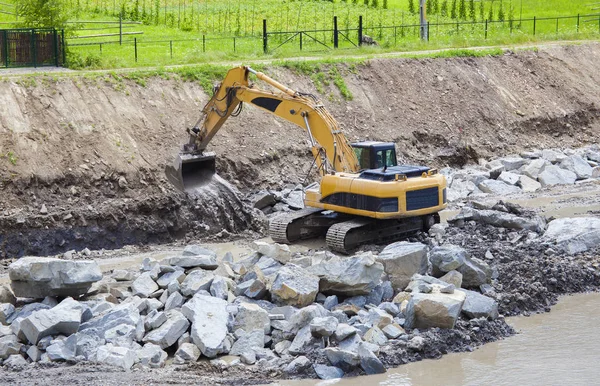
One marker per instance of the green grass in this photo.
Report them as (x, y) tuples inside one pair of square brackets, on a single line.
[(177, 38)]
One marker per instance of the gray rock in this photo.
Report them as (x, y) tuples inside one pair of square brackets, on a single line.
[(123, 275), (116, 356), (298, 366), (378, 317), (282, 347), (376, 336), (328, 372), (9, 345), (390, 308), (475, 272), (152, 356), (446, 258), (304, 316), (403, 259), (170, 277), (249, 342), (197, 250), (528, 184), (87, 345), (15, 362), (278, 252), (202, 261), (34, 353), (295, 200), (6, 310), (553, 156), (127, 313), (512, 163), (251, 317), (392, 331), (253, 289), (187, 352), (38, 277), (416, 343), (509, 178), (209, 323), (369, 362), (433, 310), (6, 295), (498, 188), (294, 286), (167, 334), (479, 306), (534, 168), (175, 300), (343, 331), (262, 199), (195, 281), (154, 320), (303, 342), (121, 335), (554, 175), (346, 360), (330, 302), (65, 318), (63, 350), (144, 285), (219, 288), (356, 275), (323, 326), (577, 165), (574, 235), (500, 219)]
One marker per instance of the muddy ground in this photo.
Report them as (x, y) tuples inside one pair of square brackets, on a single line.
[(91, 150)]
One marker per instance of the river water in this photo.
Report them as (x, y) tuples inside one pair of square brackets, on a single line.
[(558, 348)]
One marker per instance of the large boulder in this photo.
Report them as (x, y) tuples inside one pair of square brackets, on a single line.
[(251, 317), (170, 331), (500, 219), (201, 261), (498, 188), (278, 252), (554, 175), (479, 306), (122, 357), (350, 276), (475, 272), (574, 235), (577, 165), (38, 277), (196, 281), (528, 184), (294, 286), (144, 285), (534, 168), (553, 156), (512, 163), (64, 318), (209, 323), (126, 313), (403, 259), (446, 258), (435, 309)]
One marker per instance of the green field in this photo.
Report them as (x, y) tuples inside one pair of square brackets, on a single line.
[(193, 31)]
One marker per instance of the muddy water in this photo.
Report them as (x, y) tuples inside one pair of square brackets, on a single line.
[(558, 348)]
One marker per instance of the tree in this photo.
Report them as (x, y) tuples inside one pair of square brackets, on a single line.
[(501, 15), (44, 13), (411, 6), (375, 3), (491, 13), (453, 10), (436, 7), (472, 10), (428, 8), (481, 11), (444, 9), (385, 4), (462, 10)]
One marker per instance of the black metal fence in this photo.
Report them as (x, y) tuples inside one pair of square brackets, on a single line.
[(31, 47)]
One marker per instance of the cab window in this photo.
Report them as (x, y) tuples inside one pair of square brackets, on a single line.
[(385, 158), (363, 156)]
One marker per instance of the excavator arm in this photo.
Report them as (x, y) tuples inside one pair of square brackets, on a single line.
[(329, 146)]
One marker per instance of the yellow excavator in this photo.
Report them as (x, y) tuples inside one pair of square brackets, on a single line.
[(363, 197)]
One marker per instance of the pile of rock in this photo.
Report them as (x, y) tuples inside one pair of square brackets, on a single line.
[(527, 172), (317, 314), (272, 201)]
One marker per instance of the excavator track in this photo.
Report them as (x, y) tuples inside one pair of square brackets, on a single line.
[(346, 236), (279, 226)]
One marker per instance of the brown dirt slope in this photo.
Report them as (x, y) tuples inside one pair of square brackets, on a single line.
[(65, 142)]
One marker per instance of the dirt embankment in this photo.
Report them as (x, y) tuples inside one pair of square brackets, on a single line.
[(90, 151)]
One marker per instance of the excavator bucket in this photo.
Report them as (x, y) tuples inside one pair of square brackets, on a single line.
[(190, 171)]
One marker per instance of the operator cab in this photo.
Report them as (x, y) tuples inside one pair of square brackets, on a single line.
[(378, 162)]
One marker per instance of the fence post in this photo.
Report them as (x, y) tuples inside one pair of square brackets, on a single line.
[(121, 29), (300, 40), (428, 35), (5, 45), (55, 36), (335, 32), (534, 26), (557, 25), (171, 48), (33, 48), (395, 34), (577, 22), (203, 43), (234, 44), (486, 28), (265, 37), (64, 47), (360, 30), (135, 48), (100, 48), (510, 23)]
